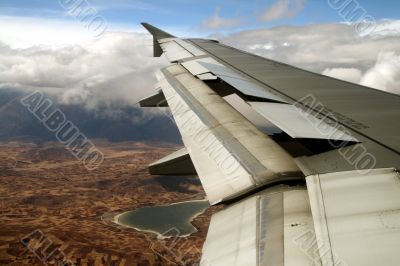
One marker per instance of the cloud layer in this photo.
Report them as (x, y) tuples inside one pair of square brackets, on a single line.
[(118, 69), (385, 73), (332, 49)]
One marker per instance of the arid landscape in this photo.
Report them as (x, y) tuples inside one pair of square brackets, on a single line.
[(46, 194)]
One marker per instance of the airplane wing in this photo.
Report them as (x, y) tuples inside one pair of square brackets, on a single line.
[(323, 191)]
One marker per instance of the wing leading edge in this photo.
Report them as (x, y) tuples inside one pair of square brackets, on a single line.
[(337, 214)]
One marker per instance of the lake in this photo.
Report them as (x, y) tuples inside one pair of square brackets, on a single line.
[(165, 221)]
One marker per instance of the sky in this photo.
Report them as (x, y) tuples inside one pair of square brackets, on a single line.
[(188, 16), (183, 18), (95, 51)]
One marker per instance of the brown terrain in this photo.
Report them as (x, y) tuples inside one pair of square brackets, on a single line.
[(49, 201)]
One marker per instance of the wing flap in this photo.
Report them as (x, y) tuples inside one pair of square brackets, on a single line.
[(155, 100), (299, 124), (174, 52), (355, 212), (260, 230), (176, 163), (206, 65), (190, 47)]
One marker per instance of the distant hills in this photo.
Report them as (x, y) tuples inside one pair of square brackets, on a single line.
[(112, 123)]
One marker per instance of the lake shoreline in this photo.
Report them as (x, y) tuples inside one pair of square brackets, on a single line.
[(160, 235)]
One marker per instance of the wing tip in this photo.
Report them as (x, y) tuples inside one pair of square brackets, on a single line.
[(156, 32)]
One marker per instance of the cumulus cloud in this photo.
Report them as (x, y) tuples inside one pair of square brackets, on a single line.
[(385, 74), (218, 22), (386, 28), (348, 74), (117, 68), (332, 49), (283, 9)]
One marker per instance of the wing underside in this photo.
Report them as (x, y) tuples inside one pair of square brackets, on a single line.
[(324, 190)]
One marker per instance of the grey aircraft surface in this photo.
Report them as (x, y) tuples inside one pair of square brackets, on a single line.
[(324, 190)]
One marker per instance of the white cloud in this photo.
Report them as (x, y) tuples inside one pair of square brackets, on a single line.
[(218, 22), (385, 74), (283, 9), (266, 46), (117, 68), (387, 28), (25, 32), (348, 74), (333, 49)]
